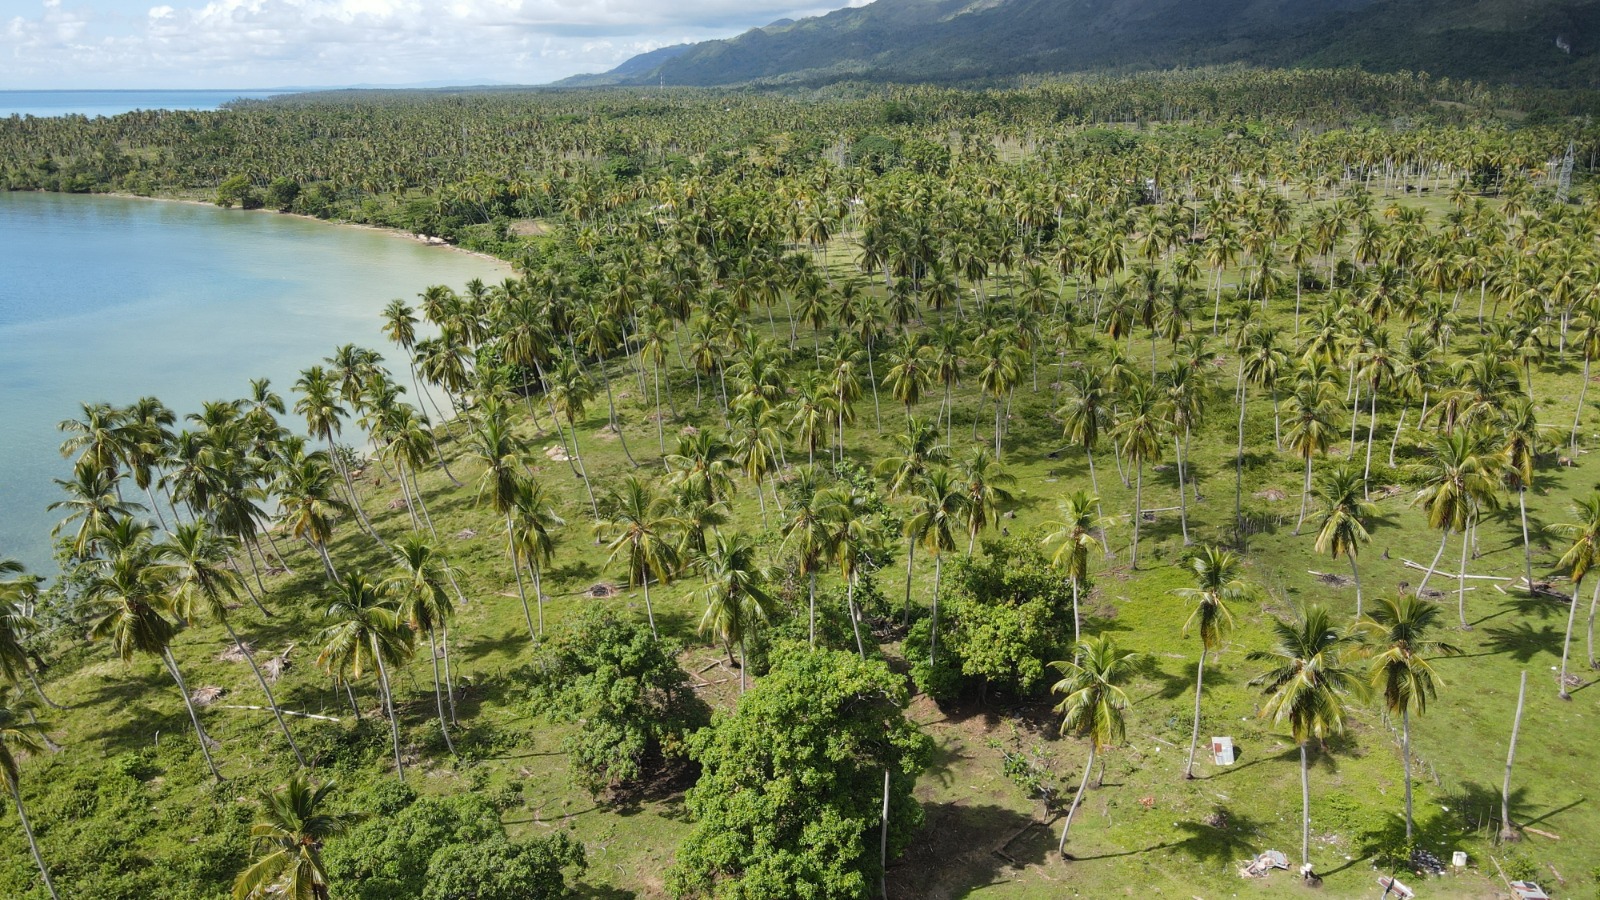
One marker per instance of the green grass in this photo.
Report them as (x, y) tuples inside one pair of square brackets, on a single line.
[(1144, 831)]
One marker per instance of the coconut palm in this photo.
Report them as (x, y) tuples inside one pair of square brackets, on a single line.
[(570, 393), (21, 733), (1401, 670), (93, 501), (1343, 509), (288, 841), (418, 582), (533, 522), (987, 487), (367, 631), (1140, 434), (1092, 705), (129, 593), (736, 595), (1307, 683), (638, 524), (1460, 478), (1085, 415), (1073, 534), (919, 452), (1217, 584), (310, 503), (1583, 555), (938, 506), (200, 585), (1519, 436), (18, 596), (1311, 430), (808, 531), (319, 403)]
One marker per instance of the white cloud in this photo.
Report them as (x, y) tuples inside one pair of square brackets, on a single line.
[(269, 43)]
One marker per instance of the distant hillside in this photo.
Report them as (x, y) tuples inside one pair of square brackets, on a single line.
[(1548, 42)]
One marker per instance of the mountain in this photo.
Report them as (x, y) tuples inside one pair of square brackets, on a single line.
[(1548, 42)]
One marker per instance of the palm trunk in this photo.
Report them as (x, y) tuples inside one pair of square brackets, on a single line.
[(1075, 621), (1305, 808), (1507, 832), (933, 632), (438, 695), (1372, 429), (39, 689), (883, 842), (650, 612), (1566, 644), (1435, 564), (811, 598), (388, 702), (1356, 573), (743, 658), (1100, 510), (1595, 598), (855, 620), (172, 667), (1238, 476), (33, 844), (1305, 496), (1077, 798), (1527, 550), (1194, 739), (1461, 579), (612, 403), (538, 592), (1183, 503), (911, 553), (1578, 415), (1395, 441), (522, 593), (1138, 514), (1405, 753), (272, 703), (583, 471), (449, 680)]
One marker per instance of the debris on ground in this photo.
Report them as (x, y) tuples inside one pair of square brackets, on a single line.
[(1527, 890), (1393, 888), (235, 652), (205, 696), (1426, 863), (1263, 865)]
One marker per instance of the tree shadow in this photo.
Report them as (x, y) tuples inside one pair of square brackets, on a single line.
[(1522, 642), (962, 848), (588, 891), (1169, 685), (1224, 837)]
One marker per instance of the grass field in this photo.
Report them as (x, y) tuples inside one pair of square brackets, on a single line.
[(1143, 831)]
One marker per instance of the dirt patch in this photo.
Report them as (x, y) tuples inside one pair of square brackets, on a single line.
[(235, 652), (1270, 494), (529, 228), (1333, 580), (603, 590), (466, 534), (205, 696), (556, 453)]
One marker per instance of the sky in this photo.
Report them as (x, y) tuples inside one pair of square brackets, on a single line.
[(241, 44)]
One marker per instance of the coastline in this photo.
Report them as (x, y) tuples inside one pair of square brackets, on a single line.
[(425, 240)]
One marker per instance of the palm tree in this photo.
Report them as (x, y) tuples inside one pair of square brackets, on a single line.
[(1217, 583), (936, 508), (93, 501), (1084, 417), (1578, 560), (1306, 686), (505, 457), (21, 732), (533, 522), (808, 532), (1092, 706), (1519, 434), (1341, 496), (288, 843), (1140, 433), (1401, 669), (18, 595), (736, 595), (570, 393), (418, 581), (638, 526), (367, 631), (1073, 534), (1000, 369), (1459, 479), (201, 585), (1311, 430), (319, 403), (987, 487), (129, 593)]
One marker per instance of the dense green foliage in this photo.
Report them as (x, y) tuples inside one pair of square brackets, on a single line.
[(792, 788)]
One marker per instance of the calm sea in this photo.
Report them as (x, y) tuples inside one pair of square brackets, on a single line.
[(106, 299), (110, 103)]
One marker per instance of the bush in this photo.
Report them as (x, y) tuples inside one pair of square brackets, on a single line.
[(500, 869), (237, 189)]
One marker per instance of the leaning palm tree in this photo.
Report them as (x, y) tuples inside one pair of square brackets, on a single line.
[(21, 732), (1073, 534), (1401, 669), (736, 594), (1306, 685), (201, 585), (638, 526), (1460, 478), (1341, 498), (93, 501), (418, 581), (1093, 706), (504, 456), (367, 631), (18, 596), (1217, 584), (130, 594), (288, 843), (1582, 556), (533, 524)]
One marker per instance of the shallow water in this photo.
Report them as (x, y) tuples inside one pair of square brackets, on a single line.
[(111, 103), (107, 299)]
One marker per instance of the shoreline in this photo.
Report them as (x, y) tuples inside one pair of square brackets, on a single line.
[(425, 240)]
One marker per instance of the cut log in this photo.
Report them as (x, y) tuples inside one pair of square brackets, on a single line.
[(287, 712)]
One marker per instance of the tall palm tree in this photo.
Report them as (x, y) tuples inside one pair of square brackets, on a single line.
[(1519, 436), (1140, 433), (21, 732), (1460, 478), (200, 585), (1583, 555), (1401, 669), (366, 631), (987, 487), (1311, 430), (533, 523), (18, 596), (310, 503), (570, 393), (1073, 534), (418, 581), (1217, 584), (736, 594), (1085, 415), (1307, 682), (93, 501), (808, 532), (638, 525), (1343, 509), (938, 506), (288, 841), (129, 593), (1092, 705), (319, 403)]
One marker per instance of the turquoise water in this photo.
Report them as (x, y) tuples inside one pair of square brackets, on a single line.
[(105, 299), (110, 103)]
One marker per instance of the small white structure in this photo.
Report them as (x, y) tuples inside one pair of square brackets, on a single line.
[(1222, 751), (1459, 859)]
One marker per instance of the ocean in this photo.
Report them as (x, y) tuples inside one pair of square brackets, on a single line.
[(111, 103)]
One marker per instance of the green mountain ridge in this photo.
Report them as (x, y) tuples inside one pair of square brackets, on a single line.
[(1540, 42)]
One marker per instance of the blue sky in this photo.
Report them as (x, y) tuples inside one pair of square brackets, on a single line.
[(51, 44)]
